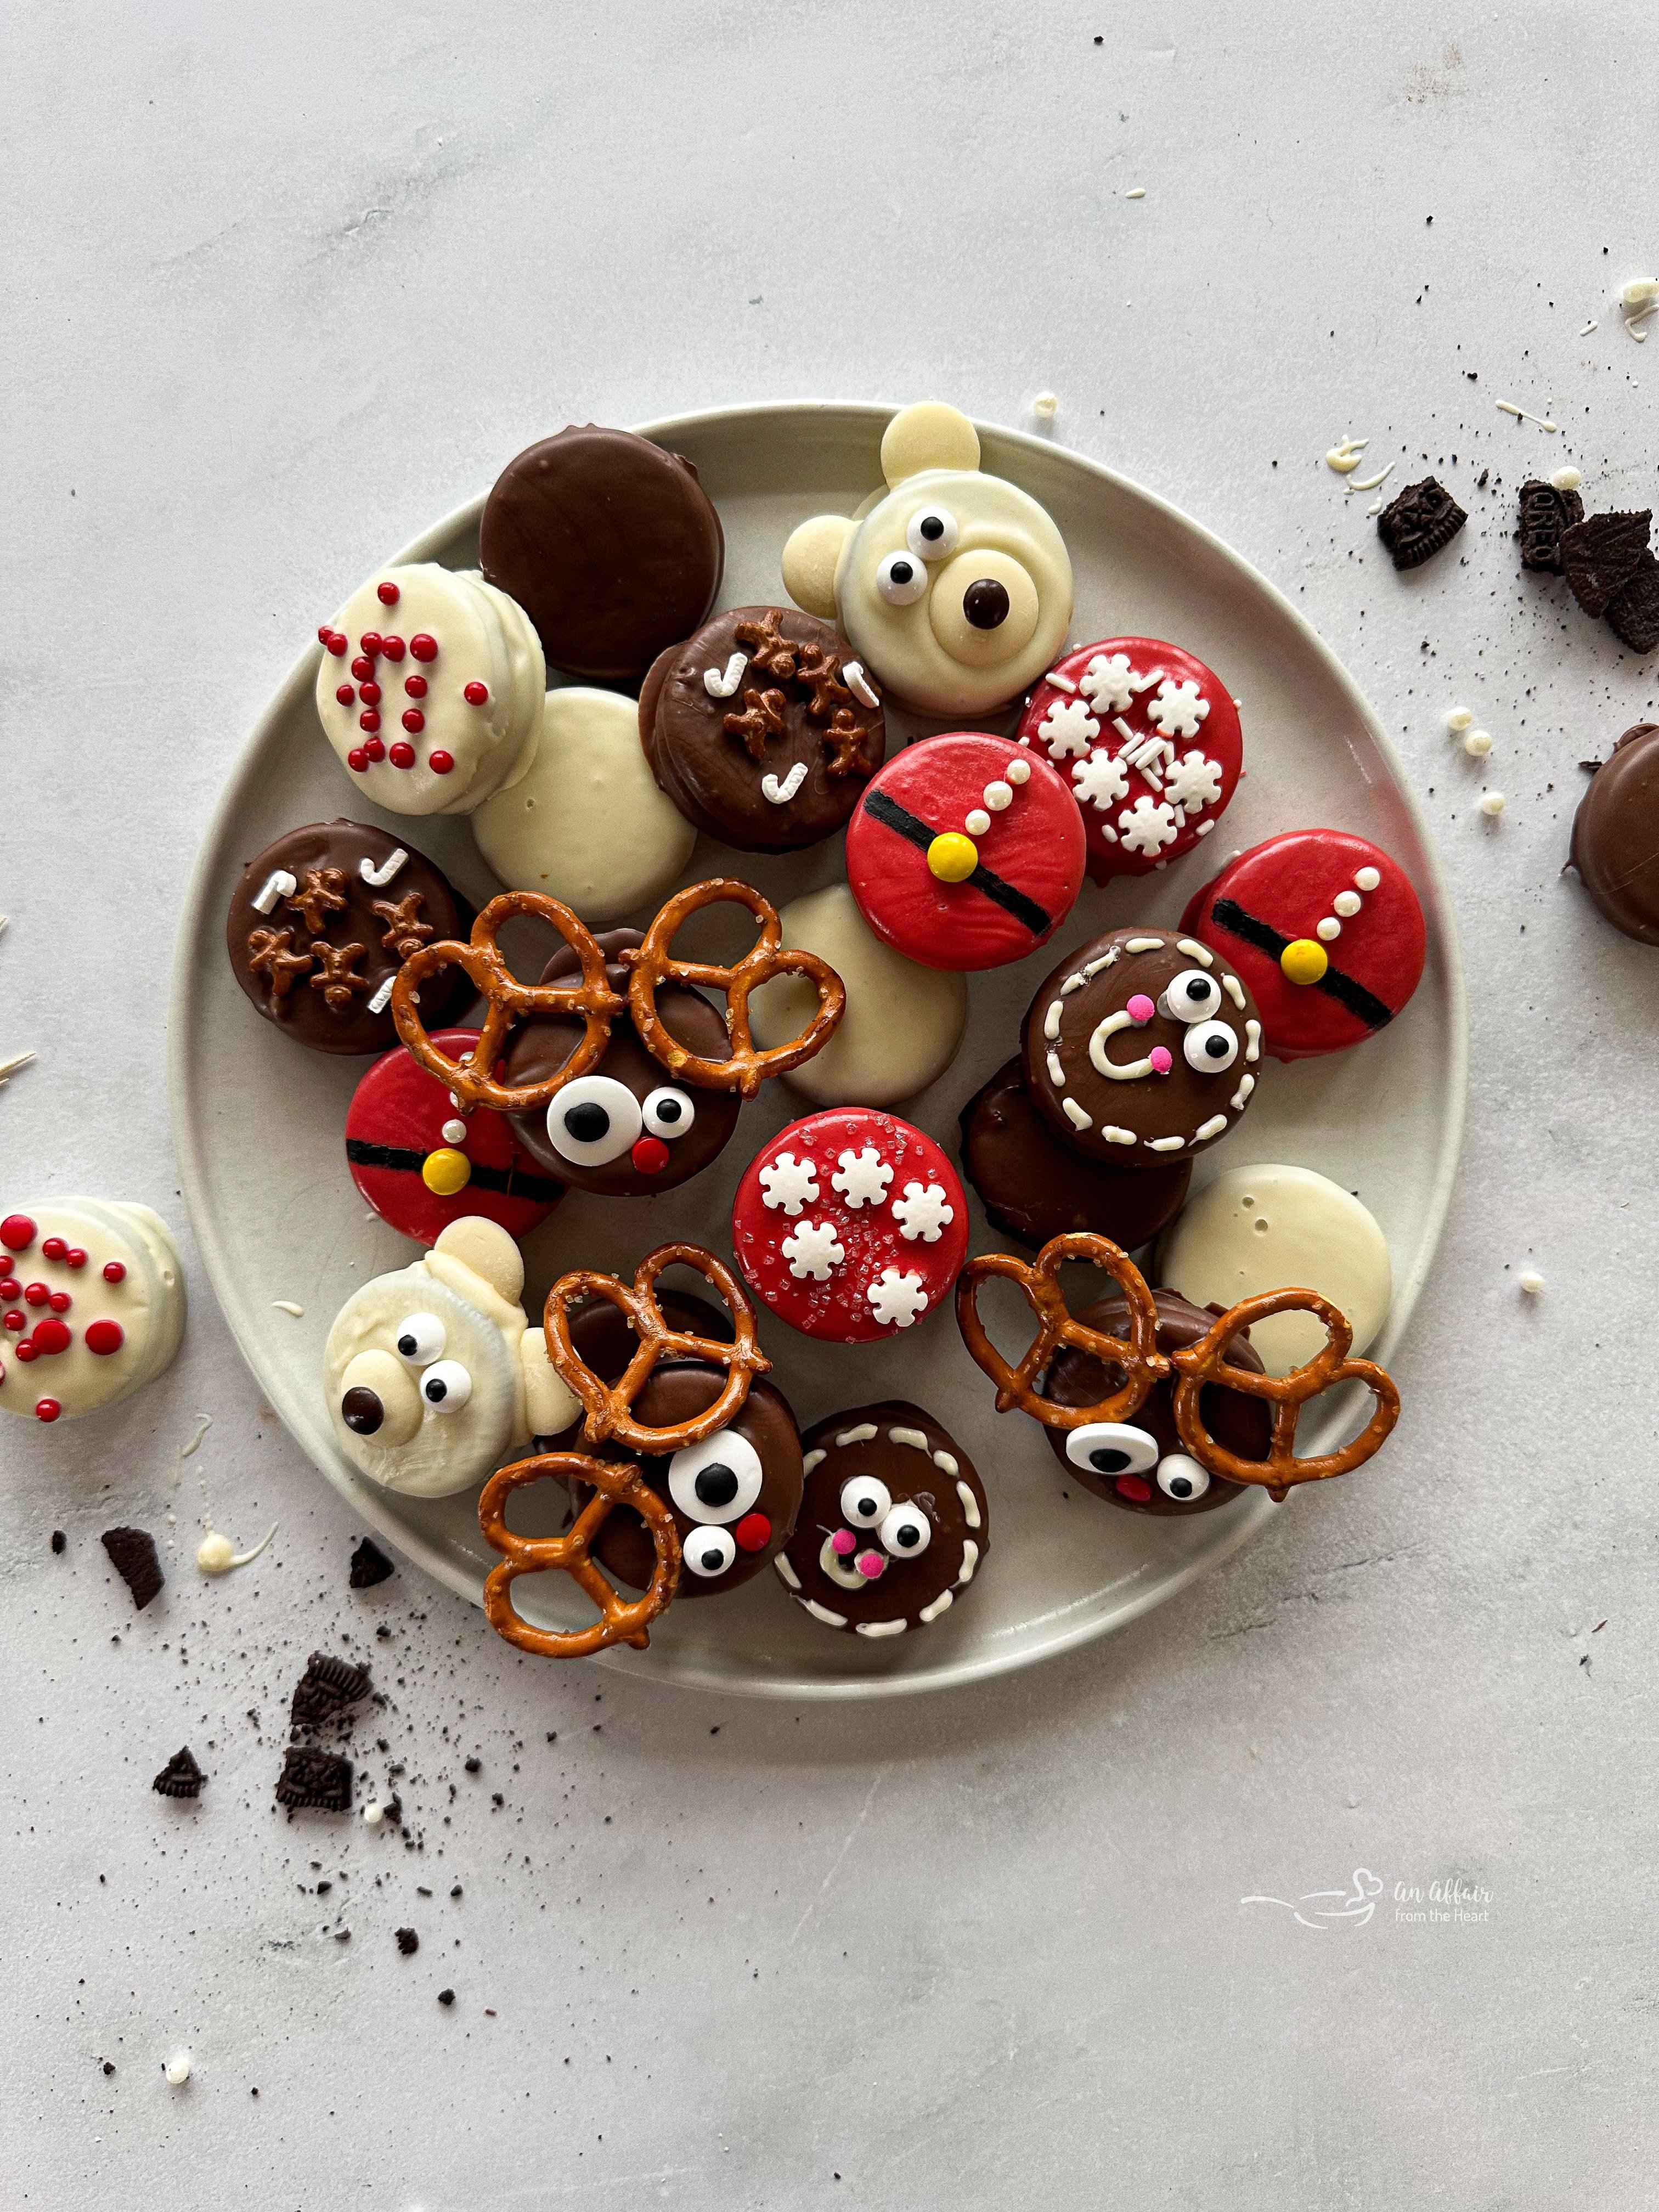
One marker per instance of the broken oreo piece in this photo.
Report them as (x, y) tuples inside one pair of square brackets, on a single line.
[(327, 1687), (408, 1941), (1600, 555), (180, 1777), (1419, 522), (132, 1555), (318, 1780), (1633, 611), (59, 1541), (1545, 513), (369, 1565)]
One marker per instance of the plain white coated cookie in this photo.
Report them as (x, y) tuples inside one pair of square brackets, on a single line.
[(585, 823), (143, 1308), (902, 1023)]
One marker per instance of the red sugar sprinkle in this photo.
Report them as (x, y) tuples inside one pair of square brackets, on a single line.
[(414, 720), (345, 695), (476, 694), (416, 686), (423, 646), (324, 635), (439, 762), (11, 1287), (35, 1294), (75, 1257), (55, 1248), (48, 1409), (371, 694), (104, 1337), (357, 760), (402, 755), (16, 1322), (50, 1337), (339, 645), (17, 1232), (115, 1271), (60, 1302), (368, 720), (392, 648), (387, 593), (362, 668), (25, 1351), (374, 750), (370, 642)]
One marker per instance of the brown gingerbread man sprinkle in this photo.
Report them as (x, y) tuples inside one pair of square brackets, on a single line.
[(821, 672), (322, 893), (763, 719), (772, 653), (846, 739), (405, 932), (338, 981), (271, 954)]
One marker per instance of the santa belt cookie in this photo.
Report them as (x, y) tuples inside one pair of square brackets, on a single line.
[(1303, 960), (957, 861)]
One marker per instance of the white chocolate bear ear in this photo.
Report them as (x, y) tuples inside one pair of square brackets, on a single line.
[(550, 1404), (488, 1250), (929, 436), (809, 563)]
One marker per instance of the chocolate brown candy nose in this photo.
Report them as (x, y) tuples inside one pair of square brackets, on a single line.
[(361, 1411), (985, 602)]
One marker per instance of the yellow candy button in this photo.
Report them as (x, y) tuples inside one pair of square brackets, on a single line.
[(445, 1171), (952, 857), (1304, 961)]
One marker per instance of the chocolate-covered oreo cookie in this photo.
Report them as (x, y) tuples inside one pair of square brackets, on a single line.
[(1142, 1464), (1615, 835), (322, 921), (761, 728), (1032, 1187), (610, 545), (627, 1128)]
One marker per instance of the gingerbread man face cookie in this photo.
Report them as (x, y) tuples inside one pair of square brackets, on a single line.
[(1142, 1048), (1149, 739), (954, 587), (893, 1526)]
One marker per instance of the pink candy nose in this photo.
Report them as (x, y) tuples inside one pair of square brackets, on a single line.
[(1140, 1008), (870, 1564), (1159, 1056), (843, 1542)]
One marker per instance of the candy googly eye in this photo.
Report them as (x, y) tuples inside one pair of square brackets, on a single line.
[(709, 1552), (906, 1532), (421, 1340), (931, 533), (864, 1503), (1181, 1477), (902, 579), (1192, 997), (718, 1480), (1111, 1448), (1211, 1048), (445, 1387), (593, 1120), (669, 1112)]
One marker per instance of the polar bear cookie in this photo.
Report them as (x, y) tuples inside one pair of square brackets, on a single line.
[(1265, 1228), (903, 1022), (586, 822), (92, 1306), (954, 587), (430, 689), (433, 1375)]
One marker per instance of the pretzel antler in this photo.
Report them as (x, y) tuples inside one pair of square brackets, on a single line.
[(1206, 1362), (747, 1067), (622, 1620), (473, 1079), (1038, 1284), (609, 1404)]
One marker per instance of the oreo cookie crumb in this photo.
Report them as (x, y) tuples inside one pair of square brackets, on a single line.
[(341, 1936), (1545, 513), (408, 1941), (1633, 611), (180, 1777), (456, 1892), (132, 1555), (327, 1687), (445, 1997), (472, 1766), (1600, 555), (108, 2066), (1419, 523), (59, 1541), (369, 1565), (318, 1780)]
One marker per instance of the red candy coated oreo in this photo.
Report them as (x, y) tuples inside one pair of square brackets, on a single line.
[(850, 1225), (1323, 905), (965, 852), (1148, 739), (397, 1150)]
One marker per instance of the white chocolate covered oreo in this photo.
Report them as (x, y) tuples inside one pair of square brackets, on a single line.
[(92, 1306), (585, 823), (430, 689)]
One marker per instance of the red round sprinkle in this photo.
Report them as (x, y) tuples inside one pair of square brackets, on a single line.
[(35, 1294), (25, 1351), (345, 695), (17, 1232), (60, 1302), (368, 720), (357, 761), (650, 1155), (753, 1533), (402, 754), (75, 1257), (1130, 1486), (370, 642), (339, 645), (51, 1336), (476, 694), (16, 1322), (416, 686), (362, 668), (48, 1409), (11, 1287), (414, 720), (374, 750), (55, 1248), (387, 593), (326, 636), (115, 1271), (371, 694), (423, 646), (392, 648), (439, 762), (104, 1337)]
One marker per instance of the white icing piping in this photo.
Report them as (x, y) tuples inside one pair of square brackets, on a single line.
[(823, 1613), (389, 868), (1246, 1084), (1056, 1073), (881, 1627), (1212, 1128), (785, 1573), (863, 1434), (945, 1464), (812, 1459), (969, 1561), (1234, 989), (1145, 944), (837, 1569), (1113, 1135), (912, 1436), (1127, 1071), (1075, 1115), (278, 885), (1252, 1049), (781, 794), (721, 687), (1194, 950), (970, 1504), (942, 1603), (1051, 1020)]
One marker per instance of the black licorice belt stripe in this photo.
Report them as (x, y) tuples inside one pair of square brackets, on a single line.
[(511, 1182), (1006, 894), (1362, 1004)]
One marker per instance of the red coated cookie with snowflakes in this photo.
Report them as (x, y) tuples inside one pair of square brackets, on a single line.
[(421, 1164), (1149, 739), (1324, 928), (850, 1225), (965, 852)]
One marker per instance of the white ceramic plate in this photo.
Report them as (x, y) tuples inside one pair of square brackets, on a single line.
[(258, 1121)]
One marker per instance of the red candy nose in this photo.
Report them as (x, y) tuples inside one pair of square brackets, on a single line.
[(650, 1156), (753, 1533), (1130, 1486)]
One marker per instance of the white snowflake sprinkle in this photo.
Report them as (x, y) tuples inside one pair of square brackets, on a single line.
[(1178, 709), (813, 1249), (1100, 780), (1148, 827), (862, 1177), (1194, 782), (1068, 727), (1109, 682), (897, 1299), (923, 1212), (789, 1182)]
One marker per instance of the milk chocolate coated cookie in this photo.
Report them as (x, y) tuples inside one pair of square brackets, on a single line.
[(624, 1129), (610, 545), (1141, 1046), (321, 922), (1615, 835), (761, 730), (1033, 1187), (1142, 1465)]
